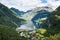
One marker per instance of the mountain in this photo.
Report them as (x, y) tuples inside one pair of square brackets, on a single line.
[(9, 18), (33, 12), (17, 11), (38, 15), (20, 13), (40, 18), (52, 23)]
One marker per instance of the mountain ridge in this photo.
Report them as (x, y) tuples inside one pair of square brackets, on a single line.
[(8, 17)]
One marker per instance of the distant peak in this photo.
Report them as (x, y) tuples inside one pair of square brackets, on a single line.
[(42, 8), (45, 7), (16, 9)]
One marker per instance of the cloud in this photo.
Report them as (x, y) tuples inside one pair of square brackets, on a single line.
[(25, 5), (53, 3)]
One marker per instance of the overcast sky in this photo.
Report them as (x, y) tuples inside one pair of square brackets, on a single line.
[(25, 5)]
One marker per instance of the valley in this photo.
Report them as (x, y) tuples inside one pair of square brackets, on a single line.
[(40, 23)]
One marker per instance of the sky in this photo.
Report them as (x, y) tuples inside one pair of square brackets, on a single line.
[(25, 5)]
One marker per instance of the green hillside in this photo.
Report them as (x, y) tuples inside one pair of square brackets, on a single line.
[(52, 25), (53, 22), (8, 33), (9, 18)]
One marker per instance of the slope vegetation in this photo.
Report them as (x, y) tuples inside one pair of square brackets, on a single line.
[(8, 17)]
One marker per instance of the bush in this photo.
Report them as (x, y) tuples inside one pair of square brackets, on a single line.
[(7, 33), (55, 37)]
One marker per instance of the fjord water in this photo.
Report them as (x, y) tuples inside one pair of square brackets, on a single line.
[(27, 26)]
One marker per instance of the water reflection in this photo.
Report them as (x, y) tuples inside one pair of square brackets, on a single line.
[(28, 26)]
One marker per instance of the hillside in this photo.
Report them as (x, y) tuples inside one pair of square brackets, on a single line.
[(17, 11), (52, 23), (40, 17), (8, 17)]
